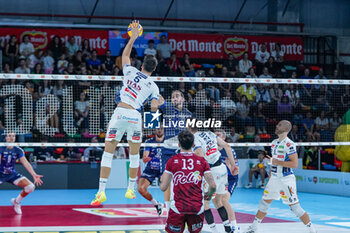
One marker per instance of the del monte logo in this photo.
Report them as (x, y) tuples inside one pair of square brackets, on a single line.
[(236, 46), (37, 38)]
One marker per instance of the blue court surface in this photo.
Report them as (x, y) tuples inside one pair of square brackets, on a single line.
[(329, 213)]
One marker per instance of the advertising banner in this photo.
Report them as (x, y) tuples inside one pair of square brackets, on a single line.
[(327, 182), (118, 39), (219, 46), (41, 37)]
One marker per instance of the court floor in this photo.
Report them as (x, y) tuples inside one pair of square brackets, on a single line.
[(69, 211)]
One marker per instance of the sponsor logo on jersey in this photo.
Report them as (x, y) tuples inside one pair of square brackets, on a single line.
[(112, 133), (280, 156), (174, 228), (182, 178), (197, 226), (211, 151), (281, 147), (288, 144), (273, 145)]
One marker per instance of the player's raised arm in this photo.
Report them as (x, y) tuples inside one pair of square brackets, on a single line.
[(29, 168), (128, 46), (228, 151)]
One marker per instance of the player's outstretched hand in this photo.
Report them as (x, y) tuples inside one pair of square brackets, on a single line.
[(160, 100), (37, 179), (134, 29)]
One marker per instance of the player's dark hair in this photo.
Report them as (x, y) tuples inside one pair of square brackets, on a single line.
[(149, 63), (186, 139)]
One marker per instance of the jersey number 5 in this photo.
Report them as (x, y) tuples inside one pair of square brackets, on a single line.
[(189, 165)]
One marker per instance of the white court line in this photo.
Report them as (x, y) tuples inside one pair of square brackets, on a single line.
[(295, 227), (342, 224)]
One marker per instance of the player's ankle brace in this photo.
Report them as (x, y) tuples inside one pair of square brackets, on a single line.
[(106, 159), (134, 161), (263, 206), (209, 216), (297, 210)]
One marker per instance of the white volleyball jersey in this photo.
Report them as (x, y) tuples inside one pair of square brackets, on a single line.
[(137, 88), (209, 144), (281, 150)]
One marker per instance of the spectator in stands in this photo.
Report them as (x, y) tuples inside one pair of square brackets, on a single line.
[(71, 153), (259, 169), (2, 132), (310, 159), (45, 88), (71, 47), (38, 69), (48, 62), (22, 67), (335, 90), (245, 64), (284, 109), (70, 69), (186, 66), (62, 63), (56, 47), (225, 86), (320, 75), (261, 58), (253, 151), (7, 69), (34, 58), (273, 68), (260, 118), (263, 95), (44, 153), (81, 112), (163, 49), (265, 74), (320, 99), (232, 135), (345, 101), (242, 117), (231, 64), (108, 64), (174, 65), (30, 86), (150, 50), (58, 88), (11, 52), (277, 53), (247, 90), (322, 126), (78, 59), (251, 73), (214, 93), (85, 48), (293, 95), (183, 90), (200, 101), (228, 106), (133, 58), (92, 152), (308, 128), (306, 91), (334, 122), (26, 48), (276, 94), (294, 134), (94, 63)]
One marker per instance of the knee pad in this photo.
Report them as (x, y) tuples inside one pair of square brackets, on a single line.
[(264, 206), (106, 160), (134, 161), (29, 188), (297, 210)]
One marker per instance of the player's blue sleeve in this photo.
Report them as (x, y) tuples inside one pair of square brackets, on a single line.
[(163, 106), (20, 153)]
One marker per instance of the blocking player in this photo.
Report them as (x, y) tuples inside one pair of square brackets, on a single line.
[(137, 88), (282, 182), (206, 145), (175, 111), (154, 156), (8, 157), (232, 180), (186, 171)]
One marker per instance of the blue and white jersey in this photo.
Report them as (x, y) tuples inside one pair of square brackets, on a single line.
[(172, 116), (137, 88), (156, 154), (8, 159), (223, 159), (281, 150), (209, 144)]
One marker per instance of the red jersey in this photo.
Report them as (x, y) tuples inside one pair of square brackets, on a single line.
[(187, 194)]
